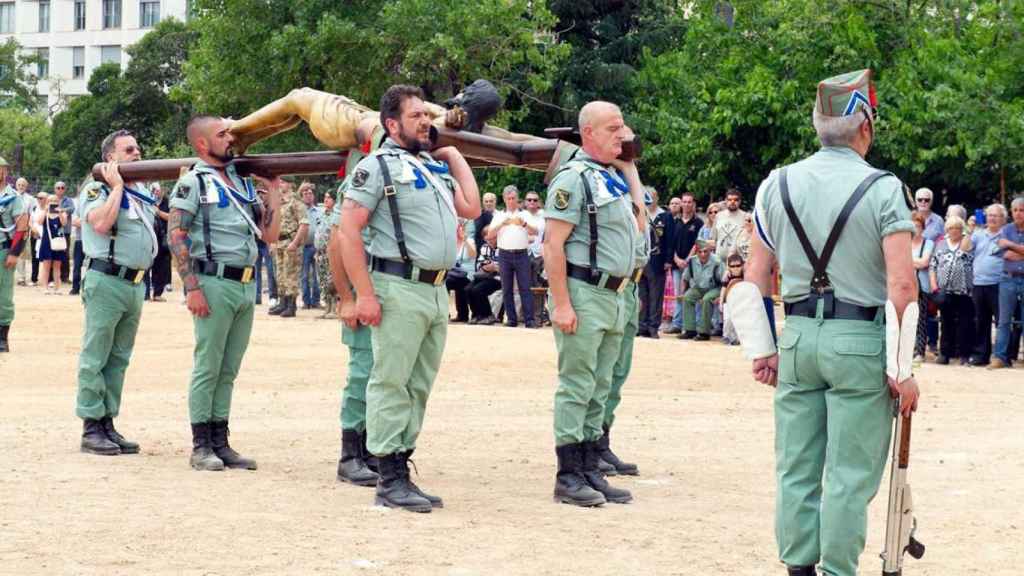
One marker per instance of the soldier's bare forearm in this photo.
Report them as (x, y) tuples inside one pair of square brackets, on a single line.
[(337, 263), (354, 218), (178, 243)]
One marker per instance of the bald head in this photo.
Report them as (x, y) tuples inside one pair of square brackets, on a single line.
[(211, 138), (602, 130)]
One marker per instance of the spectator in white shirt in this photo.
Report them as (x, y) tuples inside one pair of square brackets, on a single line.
[(511, 228), (729, 225), (534, 207)]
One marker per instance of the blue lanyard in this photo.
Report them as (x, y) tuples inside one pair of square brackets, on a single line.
[(438, 168), (222, 193), (616, 187), (137, 195)]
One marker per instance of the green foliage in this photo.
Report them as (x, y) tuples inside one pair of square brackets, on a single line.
[(137, 99), (17, 85), (33, 133), (729, 104)]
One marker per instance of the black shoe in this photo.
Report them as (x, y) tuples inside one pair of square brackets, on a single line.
[(717, 333), (458, 320), (95, 441), (606, 468), (976, 361), (965, 361), (688, 335), (570, 486), (393, 490), (801, 571), (701, 338), (276, 309), (595, 479), (512, 324), (940, 359), (203, 457), (4, 333), (351, 467), (531, 325), (435, 501), (371, 461), (653, 334), (674, 330), (487, 321), (606, 454), (126, 446), (219, 433), (289, 309)]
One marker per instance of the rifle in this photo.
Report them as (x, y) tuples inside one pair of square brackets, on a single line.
[(900, 522), (480, 151)]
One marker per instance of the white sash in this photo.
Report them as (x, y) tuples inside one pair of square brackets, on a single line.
[(245, 213), (136, 212), (441, 188)]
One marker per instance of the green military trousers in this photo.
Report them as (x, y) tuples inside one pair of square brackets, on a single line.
[(221, 340), (6, 291), (707, 304), (585, 361), (113, 309), (833, 420), (407, 349), (625, 361), (360, 363)]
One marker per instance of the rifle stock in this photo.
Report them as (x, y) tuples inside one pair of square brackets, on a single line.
[(900, 522)]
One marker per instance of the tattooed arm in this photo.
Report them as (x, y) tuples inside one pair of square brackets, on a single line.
[(270, 225), (178, 241)]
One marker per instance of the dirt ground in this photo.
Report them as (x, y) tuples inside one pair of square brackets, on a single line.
[(699, 428)]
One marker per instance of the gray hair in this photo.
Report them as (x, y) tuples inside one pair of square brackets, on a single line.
[(1018, 201), (999, 208), (108, 143), (837, 131), (958, 209), (591, 109), (510, 189)]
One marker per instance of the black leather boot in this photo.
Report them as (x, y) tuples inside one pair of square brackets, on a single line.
[(371, 461), (203, 457), (393, 489), (5, 331), (570, 486), (95, 441), (219, 433), (596, 480), (435, 501), (276, 309), (351, 467), (289, 309), (801, 571), (126, 446), (620, 467)]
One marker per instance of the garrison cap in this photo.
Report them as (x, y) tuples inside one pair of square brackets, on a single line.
[(847, 93)]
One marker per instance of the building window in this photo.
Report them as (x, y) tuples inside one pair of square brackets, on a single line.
[(78, 62), (44, 16), (43, 64), (110, 54), (6, 17), (149, 13), (111, 14), (79, 14)]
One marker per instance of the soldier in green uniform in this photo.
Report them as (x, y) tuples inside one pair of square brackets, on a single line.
[(288, 252), (215, 220), (356, 465), (840, 232), (409, 200), (13, 238), (119, 240), (703, 276), (590, 242)]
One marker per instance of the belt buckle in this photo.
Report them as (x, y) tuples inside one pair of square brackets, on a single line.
[(439, 279), (139, 275), (622, 286), (247, 274), (389, 190), (637, 274)]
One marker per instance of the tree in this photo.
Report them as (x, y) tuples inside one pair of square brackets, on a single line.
[(32, 132), (17, 86)]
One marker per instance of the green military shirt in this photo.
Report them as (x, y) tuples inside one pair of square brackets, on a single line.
[(12, 206), (704, 276), (616, 226), (233, 241), (427, 213), (819, 186), (135, 243)]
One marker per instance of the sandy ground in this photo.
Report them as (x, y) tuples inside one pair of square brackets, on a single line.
[(699, 428)]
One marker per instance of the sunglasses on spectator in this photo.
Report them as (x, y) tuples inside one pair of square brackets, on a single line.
[(533, 199), (925, 200)]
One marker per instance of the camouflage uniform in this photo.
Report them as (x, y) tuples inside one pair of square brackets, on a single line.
[(289, 264), (323, 265)]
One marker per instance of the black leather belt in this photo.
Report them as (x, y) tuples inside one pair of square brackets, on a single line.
[(838, 310), (244, 275), (403, 270), (1016, 274), (130, 274), (503, 251), (613, 283)]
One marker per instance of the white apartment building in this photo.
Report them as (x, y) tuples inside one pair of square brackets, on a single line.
[(73, 37)]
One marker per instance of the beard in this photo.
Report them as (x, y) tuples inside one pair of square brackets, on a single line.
[(412, 143), (226, 156)]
